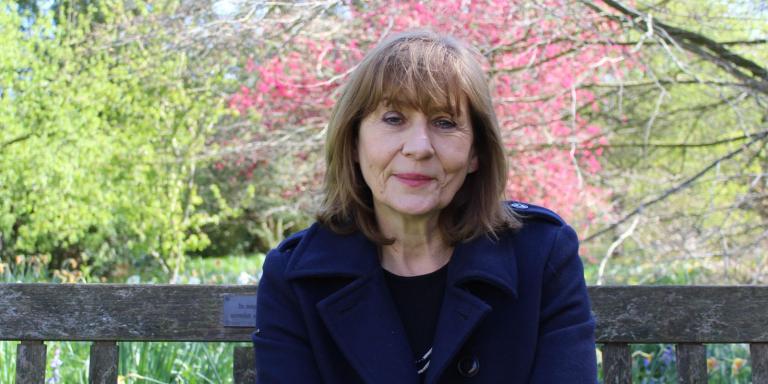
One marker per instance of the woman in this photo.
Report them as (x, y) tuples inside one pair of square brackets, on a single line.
[(417, 271)]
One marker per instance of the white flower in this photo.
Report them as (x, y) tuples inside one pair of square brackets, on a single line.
[(245, 278)]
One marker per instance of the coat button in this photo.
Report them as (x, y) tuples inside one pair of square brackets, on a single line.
[(468, 366), (518, 205)]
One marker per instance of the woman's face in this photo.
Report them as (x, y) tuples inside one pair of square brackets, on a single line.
[(413, 161)]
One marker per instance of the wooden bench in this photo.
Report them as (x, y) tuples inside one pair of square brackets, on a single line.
[(687, 316)]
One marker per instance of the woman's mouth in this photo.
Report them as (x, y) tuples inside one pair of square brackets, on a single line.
[(413, 179)]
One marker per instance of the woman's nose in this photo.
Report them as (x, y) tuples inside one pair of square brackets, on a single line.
[(418, 143)]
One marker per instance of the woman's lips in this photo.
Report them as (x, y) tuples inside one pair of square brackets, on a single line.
[(413, 179)]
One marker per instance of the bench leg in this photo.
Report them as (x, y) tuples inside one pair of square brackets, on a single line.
[(758, 354), (617, 363), (30, 362), (244, 369), (103, 366), (691, 363)]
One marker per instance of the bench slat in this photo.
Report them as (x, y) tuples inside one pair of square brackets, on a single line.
[(244, 369), (30, 362), (93, 312), (617, 363), (663, 314), (625, 314), (691, 363), (104, 360), (758, 354)]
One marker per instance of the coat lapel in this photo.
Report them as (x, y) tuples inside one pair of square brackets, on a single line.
[(479, 261), (460, 314), (363, 321), (360, 317)]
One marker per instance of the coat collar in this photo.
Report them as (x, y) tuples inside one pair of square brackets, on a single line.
[(362, 319), (322, 253)]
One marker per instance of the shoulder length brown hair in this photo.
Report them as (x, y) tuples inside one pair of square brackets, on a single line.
[(422, 70)]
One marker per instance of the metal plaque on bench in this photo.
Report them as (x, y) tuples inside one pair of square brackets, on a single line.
[(239, 311)]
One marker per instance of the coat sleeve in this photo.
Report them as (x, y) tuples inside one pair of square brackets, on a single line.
[(283, 354), (566, 346)]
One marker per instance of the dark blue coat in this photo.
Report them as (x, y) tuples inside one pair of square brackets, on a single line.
[(515, 310)]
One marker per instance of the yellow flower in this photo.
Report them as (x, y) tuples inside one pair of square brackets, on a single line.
[(711, 364), (738, 363)]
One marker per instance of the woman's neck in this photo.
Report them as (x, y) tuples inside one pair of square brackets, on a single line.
[(418, 248)]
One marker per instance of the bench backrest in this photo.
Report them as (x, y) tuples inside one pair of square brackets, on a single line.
[(687, 316)]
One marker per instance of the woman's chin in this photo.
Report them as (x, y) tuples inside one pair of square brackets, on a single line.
[(415, 208)]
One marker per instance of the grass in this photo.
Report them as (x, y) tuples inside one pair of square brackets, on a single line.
[(161, 362), (7, 361)]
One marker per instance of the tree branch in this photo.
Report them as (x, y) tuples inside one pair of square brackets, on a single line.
[(698, 44), (634, 43), (15, 140), (631, 84), (683, 185), (644, 145)]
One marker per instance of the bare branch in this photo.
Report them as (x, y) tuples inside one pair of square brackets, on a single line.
[(612, 249), (634, 43), (698, 44), (630, 84), (568, 145), (683, 185)]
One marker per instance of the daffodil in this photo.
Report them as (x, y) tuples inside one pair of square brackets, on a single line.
[(736, 366), (711, 364)]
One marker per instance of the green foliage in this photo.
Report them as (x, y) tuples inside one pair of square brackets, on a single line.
[(7, 361), (101, 129), (682, 125), (257, 215)]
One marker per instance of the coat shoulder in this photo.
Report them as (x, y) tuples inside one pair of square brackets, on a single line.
[(280, 257), (530, 212), (290, 242)]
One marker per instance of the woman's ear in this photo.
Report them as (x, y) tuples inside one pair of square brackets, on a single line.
[(473, 164)]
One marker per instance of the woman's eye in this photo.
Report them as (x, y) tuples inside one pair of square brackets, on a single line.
[(445, 123), (392, 119)]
